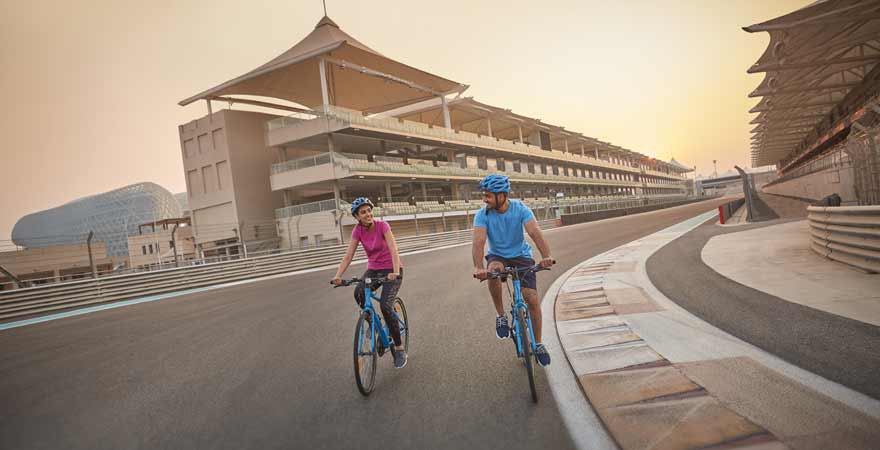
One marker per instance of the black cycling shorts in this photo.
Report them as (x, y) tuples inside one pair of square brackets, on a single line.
[(526, 280)]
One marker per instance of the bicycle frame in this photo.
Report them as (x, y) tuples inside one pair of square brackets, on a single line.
[(381, 331), (519, 304)]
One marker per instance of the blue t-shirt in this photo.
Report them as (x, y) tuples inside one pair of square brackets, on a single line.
[(505, 231)]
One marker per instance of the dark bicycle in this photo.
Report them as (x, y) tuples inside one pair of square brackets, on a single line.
[(371, 334)]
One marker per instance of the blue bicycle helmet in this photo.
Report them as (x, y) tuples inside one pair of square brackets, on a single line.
[(358, 202), (495, 183)]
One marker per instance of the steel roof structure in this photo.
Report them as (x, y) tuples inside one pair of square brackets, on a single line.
[(821, 68)]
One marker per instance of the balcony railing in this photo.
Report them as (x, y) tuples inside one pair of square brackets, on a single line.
[(579, 204), (306, 208), (383, 165), (446, 135), (301, 163)]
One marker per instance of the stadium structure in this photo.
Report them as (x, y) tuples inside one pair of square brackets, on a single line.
[(112, 216), (818, 117), (354, 122)]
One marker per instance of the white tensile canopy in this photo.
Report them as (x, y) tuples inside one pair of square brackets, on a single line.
[(353, 76)]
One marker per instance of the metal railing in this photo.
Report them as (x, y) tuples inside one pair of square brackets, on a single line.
[(571, 205), (56, 297), (848, 234), (595, 206), (447, 169), (443, 134), (306, 208), (301, 163), (47, 298)]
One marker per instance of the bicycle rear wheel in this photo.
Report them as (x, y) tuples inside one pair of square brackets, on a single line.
[(365, 356), (526, 341), (402, 322)]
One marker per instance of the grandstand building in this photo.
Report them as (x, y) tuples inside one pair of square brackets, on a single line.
[(357, 123), (818, 119)]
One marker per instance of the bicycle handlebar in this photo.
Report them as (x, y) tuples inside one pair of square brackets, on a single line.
[(372, 281), (511, 270)]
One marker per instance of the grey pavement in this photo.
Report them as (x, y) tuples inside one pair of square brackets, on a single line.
[(268, 365), (838, 348), (778, 260)]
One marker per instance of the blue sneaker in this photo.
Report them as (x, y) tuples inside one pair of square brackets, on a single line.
[(542, 355), (502, 328), (399, 358)]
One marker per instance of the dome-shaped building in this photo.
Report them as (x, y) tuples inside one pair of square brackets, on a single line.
[(111, 215)]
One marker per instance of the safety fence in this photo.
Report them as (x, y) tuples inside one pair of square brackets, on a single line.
[(55, 297), (48, 298), (599, 214), (848, 234)]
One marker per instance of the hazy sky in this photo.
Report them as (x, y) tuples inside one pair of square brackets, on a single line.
[(90, 88)]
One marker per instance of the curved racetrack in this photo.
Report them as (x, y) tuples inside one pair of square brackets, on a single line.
[(268, 365)]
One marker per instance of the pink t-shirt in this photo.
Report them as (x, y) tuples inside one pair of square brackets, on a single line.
[(373, 240)]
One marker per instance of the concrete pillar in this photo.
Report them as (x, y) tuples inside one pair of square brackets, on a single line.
[(489, 126), (519, 129), (324, 95), (388, 192), (424, 192), (447, 122)]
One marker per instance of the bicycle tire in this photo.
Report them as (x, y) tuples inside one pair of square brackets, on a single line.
[(400, 309), (526, 342), (366, 358)]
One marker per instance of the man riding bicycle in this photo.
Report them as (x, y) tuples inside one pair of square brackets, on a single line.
[(501, 221), (383, 260)]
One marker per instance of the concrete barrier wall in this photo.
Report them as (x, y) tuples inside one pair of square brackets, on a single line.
[(818, 185), (571, 219), (848, 234), (727, 210)]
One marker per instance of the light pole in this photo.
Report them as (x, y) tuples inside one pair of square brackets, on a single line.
[(715, 173)]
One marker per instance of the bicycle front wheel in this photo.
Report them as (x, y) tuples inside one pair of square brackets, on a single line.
[(365, 356), (402, 322), (525, 339)]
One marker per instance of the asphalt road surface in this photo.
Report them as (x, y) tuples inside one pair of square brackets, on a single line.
[(269, 365), (838, 348)]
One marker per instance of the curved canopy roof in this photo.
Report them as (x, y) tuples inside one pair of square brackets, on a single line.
[(820, 60), (358, 77)]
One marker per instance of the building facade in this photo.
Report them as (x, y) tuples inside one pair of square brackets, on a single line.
[(366, 125)]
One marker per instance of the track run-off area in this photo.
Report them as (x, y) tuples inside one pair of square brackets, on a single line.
[(268, 364)]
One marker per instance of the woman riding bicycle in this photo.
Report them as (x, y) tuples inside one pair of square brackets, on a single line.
[(383, 261)]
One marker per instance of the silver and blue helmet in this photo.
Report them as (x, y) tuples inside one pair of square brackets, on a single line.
[(358, 202), (495, 183)]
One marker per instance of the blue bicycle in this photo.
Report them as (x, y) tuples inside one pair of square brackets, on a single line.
[(372, 336), (522, 333)]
